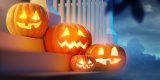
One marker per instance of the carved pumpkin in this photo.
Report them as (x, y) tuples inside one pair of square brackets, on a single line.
[(68, 38), (82, 63), (108, 57), (27, 19)]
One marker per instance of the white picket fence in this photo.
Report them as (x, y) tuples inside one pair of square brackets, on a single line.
[(87, 12)]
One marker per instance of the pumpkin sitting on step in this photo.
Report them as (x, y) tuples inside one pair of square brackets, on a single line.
[(68, 39), (82, 63), (27, 19), (108, 57)]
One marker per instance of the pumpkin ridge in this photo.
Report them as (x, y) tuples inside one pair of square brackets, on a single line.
[(54, 32), (8, 20), (15, 19), (10, 15), (18, 24)]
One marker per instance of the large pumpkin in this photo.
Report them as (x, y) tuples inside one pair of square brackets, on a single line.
[(68, 38), (27, 19), (82, 63), (108, 57)]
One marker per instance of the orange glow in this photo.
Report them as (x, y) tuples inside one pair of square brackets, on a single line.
[(115, 61), (29, 26), (114, 51), (36, 16), (91, 51), (23, 15), (104, 61), (85, 65), (73, 44), (81, 62), (108, 57), (101, 51), (101, 60), (89, 62), (80, 33), (65, 33)]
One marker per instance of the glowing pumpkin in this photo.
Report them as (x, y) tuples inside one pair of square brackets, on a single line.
[(82, 63), (108, 57), (27, 19), (67, 38)]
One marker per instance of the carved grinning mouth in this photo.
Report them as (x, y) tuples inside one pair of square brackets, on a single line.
[(72, 44), (29, 26), (104, 61), (84, 66)]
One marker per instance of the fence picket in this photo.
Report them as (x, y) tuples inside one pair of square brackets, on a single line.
[(55, 4), (84, 15), (98, 36), (68, 11), (87, 12), (79, 11), (74, 11), (89, 15), (62, 10)]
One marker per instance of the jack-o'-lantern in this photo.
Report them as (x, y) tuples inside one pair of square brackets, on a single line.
[(82, 63), (67, 38), (27, 19), (108, 57)]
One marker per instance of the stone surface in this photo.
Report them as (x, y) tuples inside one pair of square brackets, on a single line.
[(20, 62), (20, 43)]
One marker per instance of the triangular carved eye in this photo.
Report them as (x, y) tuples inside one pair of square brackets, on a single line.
[(114, 51), (81, 62), (101, 51), (23, 15), (80, 33), (66, 32), (35, 16), (89, 62)]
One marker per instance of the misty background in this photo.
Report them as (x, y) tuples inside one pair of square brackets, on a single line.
[(137, 23), (147, 31)]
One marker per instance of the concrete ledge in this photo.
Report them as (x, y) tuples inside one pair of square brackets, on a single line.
[(20, 43), (20, 54), (19, 62)]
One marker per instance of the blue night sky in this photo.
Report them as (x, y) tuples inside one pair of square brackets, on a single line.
[(146, 32)]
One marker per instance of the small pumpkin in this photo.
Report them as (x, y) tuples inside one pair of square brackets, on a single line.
[(82, 63), (108, 57), (27, 19), (67, 38)]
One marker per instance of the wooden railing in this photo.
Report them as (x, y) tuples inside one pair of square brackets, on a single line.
[(87, 12)]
